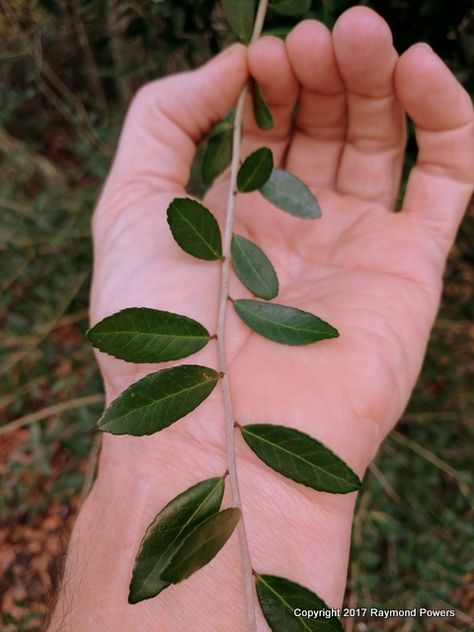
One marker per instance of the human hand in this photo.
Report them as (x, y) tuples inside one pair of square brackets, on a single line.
[(372, 273)]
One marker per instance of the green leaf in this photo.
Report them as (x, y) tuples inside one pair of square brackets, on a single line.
[(287, 325), (196, 186), (225, 125), (254, 268), (291, 7), (201, 545), (278, 31), (261, 111), (240, 16), (298, 456), (174, 522), (280, 598), (217, 154), (255, 170), (159, 399), (289, 194), (195, 229), (141, 334)]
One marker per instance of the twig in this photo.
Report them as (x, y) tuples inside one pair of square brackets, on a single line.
[(66, 95), (122, 83), (388, 489), (92, 73), (25, 158), (22, 354), (439, 415), (6, 400), (221, 322), (50, 411), (432, 458)]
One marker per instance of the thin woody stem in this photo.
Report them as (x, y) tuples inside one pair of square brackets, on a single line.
[(221, 322)]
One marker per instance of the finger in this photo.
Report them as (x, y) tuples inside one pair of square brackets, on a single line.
[(168, 117), (319, 132), (270, 67), (440, 184), (372, 158)]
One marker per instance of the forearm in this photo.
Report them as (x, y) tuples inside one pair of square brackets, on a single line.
[(292, 531)]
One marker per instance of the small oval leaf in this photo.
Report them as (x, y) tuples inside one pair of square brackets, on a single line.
[(255, 170), (279, 599), (261, 111), (196, 186), (254, 268), (141, 334), (291, 7), (289, 194), (240, 16), (202, 544), (217, 155), (167, 530), (195, 229), (298, 456), (158, 400), (287, 325)]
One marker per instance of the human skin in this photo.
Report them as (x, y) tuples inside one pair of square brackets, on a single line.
[(374, 274)]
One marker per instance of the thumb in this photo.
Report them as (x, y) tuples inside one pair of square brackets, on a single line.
[(166, 120)]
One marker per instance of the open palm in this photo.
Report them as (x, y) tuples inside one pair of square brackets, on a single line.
[(372, 273)]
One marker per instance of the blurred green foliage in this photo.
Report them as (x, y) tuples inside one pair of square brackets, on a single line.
[(68, 70)]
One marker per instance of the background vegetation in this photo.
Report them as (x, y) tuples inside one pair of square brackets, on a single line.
[(68, 69)]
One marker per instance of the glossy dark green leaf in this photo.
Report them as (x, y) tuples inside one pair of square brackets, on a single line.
[(225, 125), (195, 229), (141, 334), (289, 194), (298, 456), (287, 325), (196, 186), (254, 268), (217, 154), (174, 522), (202, 544), (240, 16), (281, 598), (261, 111), (291, 7), (159, 399), (255, 170)]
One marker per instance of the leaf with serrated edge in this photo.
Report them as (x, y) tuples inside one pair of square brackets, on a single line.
[(202, 544), (291, 7), (240, 16), (279, 599), (195, 229), (286, 325), (158, 400), (165, 533), (261, 111), (254, 268), (255, 170), (141, 334), (298, 456), (289, 194)]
